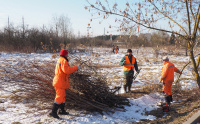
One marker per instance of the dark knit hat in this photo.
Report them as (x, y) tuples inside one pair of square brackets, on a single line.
[(129, 50), (63, 52)]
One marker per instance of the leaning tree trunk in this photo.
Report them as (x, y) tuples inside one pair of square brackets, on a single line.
[(198, 60), (186, 50), (195, 67)]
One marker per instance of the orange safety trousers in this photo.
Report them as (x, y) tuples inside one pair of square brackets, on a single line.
[(60, 95), (167, 88)]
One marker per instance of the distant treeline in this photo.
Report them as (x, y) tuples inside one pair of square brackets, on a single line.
[(29, 40), (34, 40), (107, 37)]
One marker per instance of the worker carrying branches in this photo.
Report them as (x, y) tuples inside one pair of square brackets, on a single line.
[(61, 82), (168, 78), (129, 62)]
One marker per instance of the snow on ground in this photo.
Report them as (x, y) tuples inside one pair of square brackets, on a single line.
[(150, 74), (135, 112)]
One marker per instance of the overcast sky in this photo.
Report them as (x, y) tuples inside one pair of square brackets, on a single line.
[(37, 13)]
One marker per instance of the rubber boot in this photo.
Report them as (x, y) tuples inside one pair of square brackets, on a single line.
[(167, 99), (125, 88), (62, 109), (54, 111), (170, 97), (165, 108), (129, 88)]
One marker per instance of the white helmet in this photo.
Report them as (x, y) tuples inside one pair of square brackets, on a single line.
[(165, 58)]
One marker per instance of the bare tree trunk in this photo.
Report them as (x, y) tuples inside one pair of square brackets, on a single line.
[(186, 54), (198, 61), (186, 49), (195, 68)]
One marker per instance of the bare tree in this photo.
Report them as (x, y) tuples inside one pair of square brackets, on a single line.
[(63, 28), (180, 17)]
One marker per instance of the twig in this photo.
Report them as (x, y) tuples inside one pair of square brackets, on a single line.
[(177, 80)]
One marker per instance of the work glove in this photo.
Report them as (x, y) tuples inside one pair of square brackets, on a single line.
[(138, 71), (124, 62), (161, 80)]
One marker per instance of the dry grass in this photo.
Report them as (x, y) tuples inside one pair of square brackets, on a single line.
[(16, 123), (181, 111), (2, 109), (147, 89), (105, 66)]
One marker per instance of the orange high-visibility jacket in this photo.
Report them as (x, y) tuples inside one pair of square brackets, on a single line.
[(62, 71), (116, 51), (168, 72), (128, 65)]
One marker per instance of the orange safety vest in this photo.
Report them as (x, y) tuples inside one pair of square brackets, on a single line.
[(128, 65), (62, 71)]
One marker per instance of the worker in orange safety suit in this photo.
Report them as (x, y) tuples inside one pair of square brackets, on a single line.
[(61, 82), (168, 78)]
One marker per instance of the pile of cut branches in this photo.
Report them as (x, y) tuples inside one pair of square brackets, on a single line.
[(95, 93), (88, 91)]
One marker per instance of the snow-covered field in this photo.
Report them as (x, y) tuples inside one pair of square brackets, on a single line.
[(150, 74)]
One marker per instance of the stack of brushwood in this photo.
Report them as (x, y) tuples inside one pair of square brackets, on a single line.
[(88, 91), (93, 94)]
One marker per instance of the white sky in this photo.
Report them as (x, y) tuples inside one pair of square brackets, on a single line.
[(37, 13)]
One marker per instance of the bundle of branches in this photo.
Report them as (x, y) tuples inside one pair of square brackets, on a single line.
[(87, 92), (33, 82), (95, 91)]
